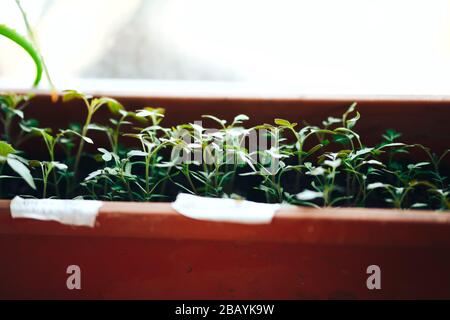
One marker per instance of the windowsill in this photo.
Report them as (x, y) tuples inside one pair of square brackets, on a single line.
[(222, 89)]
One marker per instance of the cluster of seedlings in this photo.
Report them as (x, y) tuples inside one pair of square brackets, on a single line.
[(141, 160), (325, 165)]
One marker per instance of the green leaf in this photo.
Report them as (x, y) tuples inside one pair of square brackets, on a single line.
[(349, 110), (43, 132), (114, 106), (360, 152), (21, 170), (333, 163), (93, 174), (18, 113), (376, 185), (417, 165), (342, 139), (94, 126), (240, 118), (391, 135), (284, 123), (246, 159), (59, 165), (330, 121), (87, 139), (137, 153), (149, 112), (6, 148), (197, 128), (34, 163), (318, 171), (28, 125), (372, 161), (347, 132), (419, 205), (69, 95), (221, 122), (351, 122), (393, 144), (315, 148), (309, 195), (106, 155), (275, 153)]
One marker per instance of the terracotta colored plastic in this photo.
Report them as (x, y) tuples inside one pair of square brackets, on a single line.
[(149, 251)]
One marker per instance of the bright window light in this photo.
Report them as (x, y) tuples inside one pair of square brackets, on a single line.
[(324, 46)]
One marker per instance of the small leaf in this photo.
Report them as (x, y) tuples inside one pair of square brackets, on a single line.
[(316, 171), (244, 157), (350, 123), (376, 185), (360, 153), (315, 148), (34, 163), (347, 132), (374, 162), (340, 138), (149, 112), (391, 135), (27, 125), (417, 165), (69, 95), (128, 168), (333, 163), (393, 144), (136, 153), (18, 113), (6, 148), (87, 139), (60, 166), (309, 195), (21, 170), (114, 106), (197, 127), (240, 118), (419, 205), (221, 122), (44, 133), (93, 174), (346, 113), (331, 120), (94, 126), (284, 123), (106, 155), (274, 153)]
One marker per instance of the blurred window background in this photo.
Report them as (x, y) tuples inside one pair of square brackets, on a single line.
[(321, 46)]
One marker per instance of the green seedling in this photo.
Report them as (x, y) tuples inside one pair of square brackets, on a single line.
[(325, 165)]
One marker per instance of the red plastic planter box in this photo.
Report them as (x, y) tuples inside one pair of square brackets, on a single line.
[(149, 251)]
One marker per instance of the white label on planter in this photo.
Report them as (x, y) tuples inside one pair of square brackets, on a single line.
[(227, 210), (71, 212)]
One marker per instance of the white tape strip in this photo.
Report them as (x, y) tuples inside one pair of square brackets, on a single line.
[(71, 212), (227, 210)]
